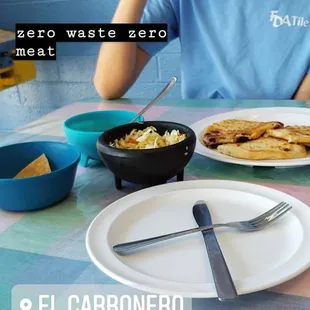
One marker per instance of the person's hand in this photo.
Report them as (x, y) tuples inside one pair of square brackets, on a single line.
[(120, 63)]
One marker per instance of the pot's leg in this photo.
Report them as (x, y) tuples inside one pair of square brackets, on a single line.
[(118, 182), (180, 176), (84, 160)]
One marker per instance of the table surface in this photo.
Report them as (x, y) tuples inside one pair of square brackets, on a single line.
[(48, 246)]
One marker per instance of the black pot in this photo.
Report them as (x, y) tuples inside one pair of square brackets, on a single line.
[(146, 167)]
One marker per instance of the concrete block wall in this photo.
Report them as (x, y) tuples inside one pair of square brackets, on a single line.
[(69, 78)]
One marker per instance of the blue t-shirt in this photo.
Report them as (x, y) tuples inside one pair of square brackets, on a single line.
[(236, 49)]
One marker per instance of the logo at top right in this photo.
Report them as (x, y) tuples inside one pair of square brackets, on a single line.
[(287, 20)]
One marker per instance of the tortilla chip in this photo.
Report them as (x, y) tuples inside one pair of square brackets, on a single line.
[(37, 167)]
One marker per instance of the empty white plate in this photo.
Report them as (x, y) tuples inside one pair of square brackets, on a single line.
[(257, 260), (288, 116)]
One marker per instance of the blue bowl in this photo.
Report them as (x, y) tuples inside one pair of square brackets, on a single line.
[(83, 130), (37, 192)]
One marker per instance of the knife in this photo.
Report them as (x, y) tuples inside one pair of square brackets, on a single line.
[(223, 281)]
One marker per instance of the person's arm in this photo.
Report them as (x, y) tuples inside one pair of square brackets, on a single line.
[(120, 63), (303, 91)]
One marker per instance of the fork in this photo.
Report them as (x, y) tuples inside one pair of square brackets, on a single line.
[(251, 225)]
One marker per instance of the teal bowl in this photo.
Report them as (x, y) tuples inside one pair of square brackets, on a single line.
[(83, 130), (38, 192)]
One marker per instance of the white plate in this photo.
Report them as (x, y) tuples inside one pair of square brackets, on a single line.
[(288, 116), (256, 260)]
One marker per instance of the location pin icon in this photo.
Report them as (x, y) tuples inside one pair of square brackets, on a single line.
[(25, 304)]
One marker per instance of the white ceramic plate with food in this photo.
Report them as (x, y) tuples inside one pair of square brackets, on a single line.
[(256, 260), (287, 116)]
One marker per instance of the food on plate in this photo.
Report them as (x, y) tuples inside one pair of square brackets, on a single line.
[(37, 167), (148, 139), (245, 139), (292, 134), (235, 131), (264, 148)]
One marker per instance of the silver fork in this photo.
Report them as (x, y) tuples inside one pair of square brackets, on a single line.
[(254, 224)]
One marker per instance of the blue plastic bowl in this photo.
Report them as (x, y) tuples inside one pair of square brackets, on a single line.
[(41, 191), (83, 130)]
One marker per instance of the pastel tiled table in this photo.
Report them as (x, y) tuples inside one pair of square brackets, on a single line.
[(48, 247)]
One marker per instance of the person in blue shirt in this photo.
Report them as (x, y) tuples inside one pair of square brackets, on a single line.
[(230, 49)]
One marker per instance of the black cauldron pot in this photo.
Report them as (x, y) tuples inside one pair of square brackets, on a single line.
[(151, 166)]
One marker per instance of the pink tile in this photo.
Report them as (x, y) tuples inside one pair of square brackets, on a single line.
[(8, 219), (298, 286), (299, 192), (73, 109)]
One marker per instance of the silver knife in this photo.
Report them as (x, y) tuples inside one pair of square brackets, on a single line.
[(223, 281)]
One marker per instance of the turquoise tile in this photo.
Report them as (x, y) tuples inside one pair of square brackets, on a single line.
[(29, 268)]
